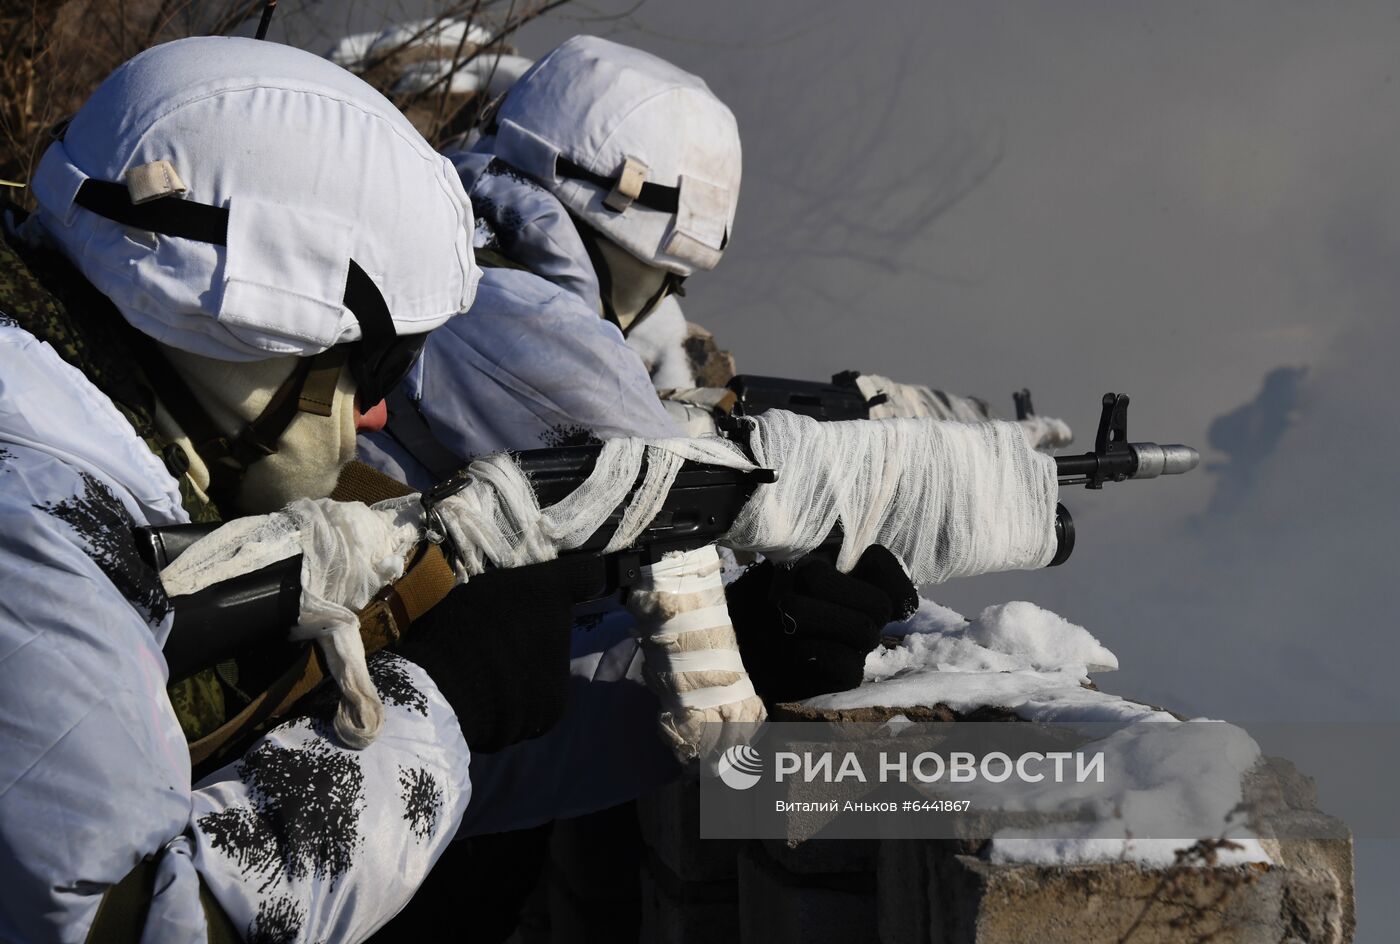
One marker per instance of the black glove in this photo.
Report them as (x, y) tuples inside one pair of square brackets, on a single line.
[(806, 630), (498, 650)]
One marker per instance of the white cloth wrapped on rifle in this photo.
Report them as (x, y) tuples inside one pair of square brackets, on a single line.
[(916, 400), (948, 499), (349, 552)]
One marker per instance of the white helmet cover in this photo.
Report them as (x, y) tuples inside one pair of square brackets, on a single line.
[(316, 176), (609, 130)]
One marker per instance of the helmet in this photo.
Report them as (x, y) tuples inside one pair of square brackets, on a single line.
[(243, 200), (636, 148)]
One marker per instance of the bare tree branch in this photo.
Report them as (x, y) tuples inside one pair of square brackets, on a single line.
[(56, 53)]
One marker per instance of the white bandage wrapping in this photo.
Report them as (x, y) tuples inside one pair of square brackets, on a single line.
[(912, 401), (349, 551), (948, 499), (692, 656), (496, 518)]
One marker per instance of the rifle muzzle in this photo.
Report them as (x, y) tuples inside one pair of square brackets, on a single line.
[(1154, 460)]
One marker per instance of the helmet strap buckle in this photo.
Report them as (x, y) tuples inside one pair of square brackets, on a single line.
[(628, 186)]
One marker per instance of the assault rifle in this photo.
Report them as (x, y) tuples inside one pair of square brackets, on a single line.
[(253, 609)]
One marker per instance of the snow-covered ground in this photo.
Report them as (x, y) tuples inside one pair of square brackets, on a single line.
[(1024, 658)]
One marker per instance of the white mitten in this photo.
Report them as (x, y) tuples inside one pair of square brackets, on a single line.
[(692, 657), (349, 551)]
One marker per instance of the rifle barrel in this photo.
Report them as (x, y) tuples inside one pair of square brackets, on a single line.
[(1129, 461)]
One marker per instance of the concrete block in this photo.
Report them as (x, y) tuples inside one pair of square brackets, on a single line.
[(1283, 812), (976, 902)]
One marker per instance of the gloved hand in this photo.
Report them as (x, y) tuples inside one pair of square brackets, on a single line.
[(498, 649), (806, 630)]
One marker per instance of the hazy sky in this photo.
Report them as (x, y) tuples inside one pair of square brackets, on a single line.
[(1172, 200), (1177, 200), (1194, 203)]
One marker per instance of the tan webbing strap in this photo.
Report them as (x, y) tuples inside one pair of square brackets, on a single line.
[(397, 606), (431, 579), (428, 578), (363, 483), (318, 392), (384, 619), (121, 915), (426, 581), (303, 675)]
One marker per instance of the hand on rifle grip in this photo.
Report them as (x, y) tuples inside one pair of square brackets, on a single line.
[(806, 630)]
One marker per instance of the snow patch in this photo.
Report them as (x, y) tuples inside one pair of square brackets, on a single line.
[(1029, 660), (1014, 655), (1046, 640)]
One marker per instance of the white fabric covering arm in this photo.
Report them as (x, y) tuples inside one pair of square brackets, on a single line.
[(948, 499), (692, 655), (306, 840)]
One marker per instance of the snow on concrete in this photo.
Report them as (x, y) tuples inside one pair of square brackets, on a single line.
[(1015, 655), (1159, 776), (1024, 658)]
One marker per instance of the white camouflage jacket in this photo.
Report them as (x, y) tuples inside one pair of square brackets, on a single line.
[(298, 840)]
